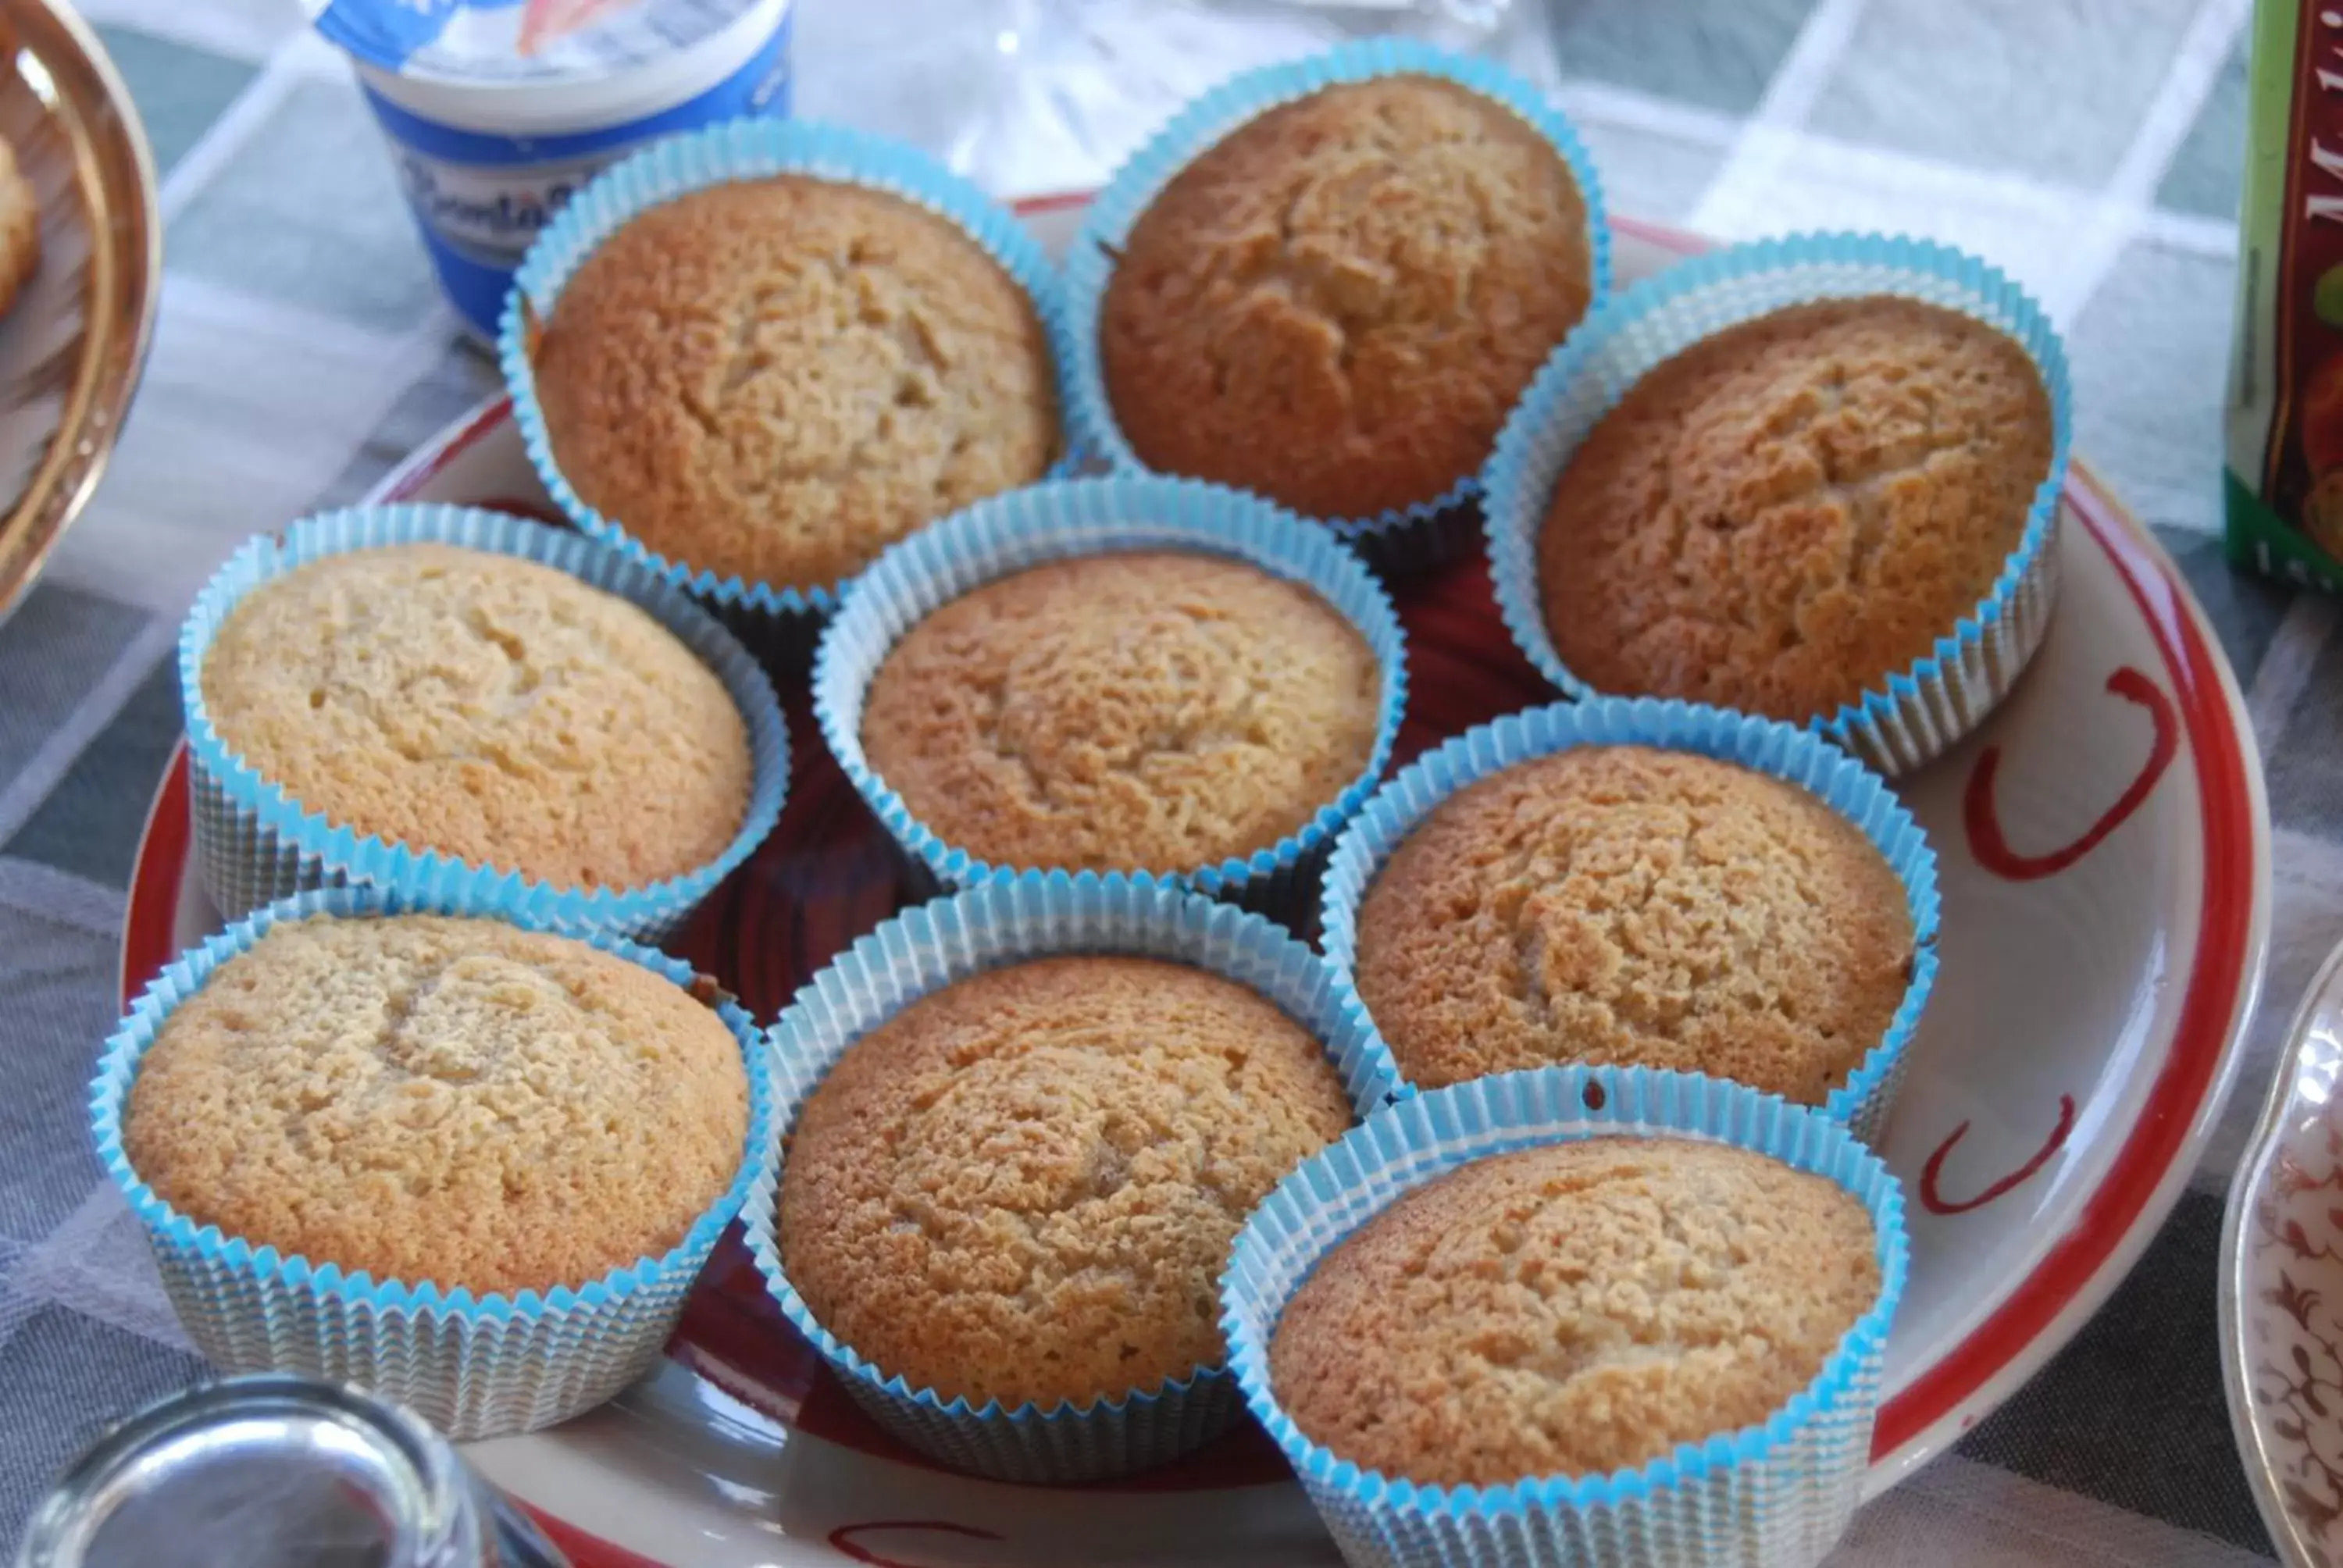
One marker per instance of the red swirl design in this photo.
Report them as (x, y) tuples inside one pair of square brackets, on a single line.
[(1936, 1203), (843, 1538), (1992, 851)]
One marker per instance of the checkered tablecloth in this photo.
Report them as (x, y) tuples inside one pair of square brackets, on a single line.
[(2090, 146)]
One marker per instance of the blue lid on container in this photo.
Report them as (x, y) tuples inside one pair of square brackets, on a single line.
[(491, 43)]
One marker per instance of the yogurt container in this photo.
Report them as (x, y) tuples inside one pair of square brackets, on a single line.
[(498, 110)]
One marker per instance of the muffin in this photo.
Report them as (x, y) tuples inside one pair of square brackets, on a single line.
[(1635, 907), (1147, 710), (1791, 510), (1022, 1187), (487, 707), (426, 1097), (1337, 304), (774, 378), (1573, 1309)]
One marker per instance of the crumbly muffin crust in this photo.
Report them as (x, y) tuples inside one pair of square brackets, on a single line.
[(777, 378), (1024, 1186), (1635, 907), (1154, 710), (485, 707), (1790, 511), (434, 1098), (1573, 1309), (1337, 305)]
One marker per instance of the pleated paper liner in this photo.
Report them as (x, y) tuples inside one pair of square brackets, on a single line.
[(779, 621), (256, 843), (474, 1365), (1090, 516), (999, 923), (1914, 714), (1778, 1494)]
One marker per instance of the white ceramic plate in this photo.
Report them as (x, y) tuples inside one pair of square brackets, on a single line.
[(2103, 847)]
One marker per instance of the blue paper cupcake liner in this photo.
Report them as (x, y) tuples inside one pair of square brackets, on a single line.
[(1093, 517), (1795, 756), (1774, 1495), (1007, 921), (473, 1365), (1402, 538), (752, 149), (255, 843), (1918, 713)]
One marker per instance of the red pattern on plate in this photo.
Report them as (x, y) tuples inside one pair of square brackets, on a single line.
[(2148, 1161), (843, 1538), (1993, 852), (1932, 1172)]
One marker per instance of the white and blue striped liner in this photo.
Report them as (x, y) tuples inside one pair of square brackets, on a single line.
[(1773, 1495), (1916, 714), (752, 149), (473, 1365), (1798, 757), (1008, 922), (1093, 517), (1403, 538), (255, 843)]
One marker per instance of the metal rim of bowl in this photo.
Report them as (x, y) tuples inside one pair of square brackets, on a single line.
[(114, 176)]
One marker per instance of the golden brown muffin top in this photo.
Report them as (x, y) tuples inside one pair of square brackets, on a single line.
[(1788, 512), (432, 1099), (777, 378), (1337, 304), (1024, 1186), (1638, 908), (1573, 1309), (1155, 711), (489, 707)]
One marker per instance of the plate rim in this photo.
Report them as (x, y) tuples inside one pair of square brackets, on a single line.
[(2207, 1038), (2124, 1210)]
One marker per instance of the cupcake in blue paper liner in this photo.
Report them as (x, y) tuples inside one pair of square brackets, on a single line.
[(753, 357), (1020, 1126), (1327, 281), (1641, 883), (1814, 477), (453, 702), (469, 1164), (1483, 1328), (1118, 674)]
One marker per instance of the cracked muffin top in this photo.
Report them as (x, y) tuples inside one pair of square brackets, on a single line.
[(1337, 305), (433, 1098), (778, 378), (1024, 1186), (1573, 1309), (1788, 512), (485, 707), (1633, 907), (1156, 710)]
